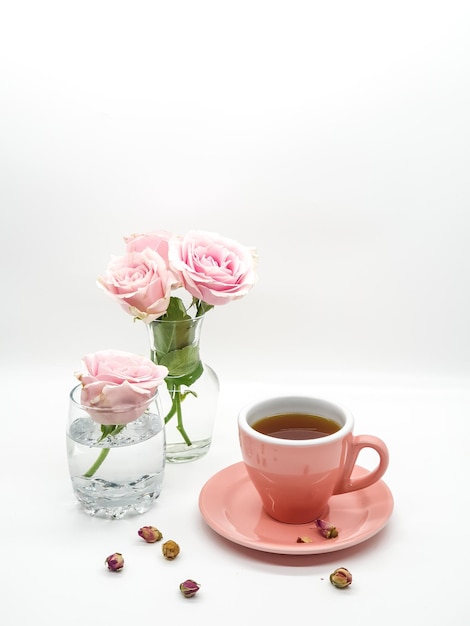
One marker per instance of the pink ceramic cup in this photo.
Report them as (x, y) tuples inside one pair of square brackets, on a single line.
[(296, 478)]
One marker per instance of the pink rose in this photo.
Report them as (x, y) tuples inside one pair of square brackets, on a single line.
[(212, 268), (141, 283), (118, 386), (157, 241)]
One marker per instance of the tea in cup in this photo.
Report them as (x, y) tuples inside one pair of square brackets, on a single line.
[(299, 451)]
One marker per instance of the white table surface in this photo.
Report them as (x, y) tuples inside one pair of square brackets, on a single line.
[(52, 555)]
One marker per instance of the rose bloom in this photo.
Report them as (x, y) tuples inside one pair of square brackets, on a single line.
[(157, 241), (141, 283), (212, 268), (118, 386)]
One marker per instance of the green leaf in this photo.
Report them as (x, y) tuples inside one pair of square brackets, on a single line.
[(191, 378), (106, 430), (203, 307), (181, 362), (110, 429), (176, 310), (175, 333), (187, 379)]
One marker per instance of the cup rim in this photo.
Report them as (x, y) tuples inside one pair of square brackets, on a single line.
[(327, 406), (106, 410)]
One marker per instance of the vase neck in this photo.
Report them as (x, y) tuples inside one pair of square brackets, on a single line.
[(174, 342)]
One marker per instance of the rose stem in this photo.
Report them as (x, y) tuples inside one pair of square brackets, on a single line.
[(101, 457), (179, 413)]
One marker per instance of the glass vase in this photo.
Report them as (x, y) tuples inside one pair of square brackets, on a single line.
[(115, 471), (189, 401)]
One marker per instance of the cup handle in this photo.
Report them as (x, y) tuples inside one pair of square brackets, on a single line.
[(346, 483)]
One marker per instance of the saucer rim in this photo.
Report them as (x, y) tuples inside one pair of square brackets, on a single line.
[(379, 524)]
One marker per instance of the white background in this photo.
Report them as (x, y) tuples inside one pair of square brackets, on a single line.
[(332, 136)]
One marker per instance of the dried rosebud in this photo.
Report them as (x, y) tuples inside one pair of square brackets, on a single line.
[(115, 562), (304, 540), (150, 534), (189, 588), (341, 578), (170, 550), (326, 528)]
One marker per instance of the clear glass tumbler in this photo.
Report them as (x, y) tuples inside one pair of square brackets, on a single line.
[(115, 470)]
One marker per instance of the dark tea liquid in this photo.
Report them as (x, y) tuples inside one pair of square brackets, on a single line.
[(296, 426)]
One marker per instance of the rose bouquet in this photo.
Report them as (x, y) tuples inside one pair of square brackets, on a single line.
[(171, 278), (116, 389)]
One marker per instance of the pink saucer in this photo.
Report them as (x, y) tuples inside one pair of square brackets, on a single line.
[(231, 507)]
